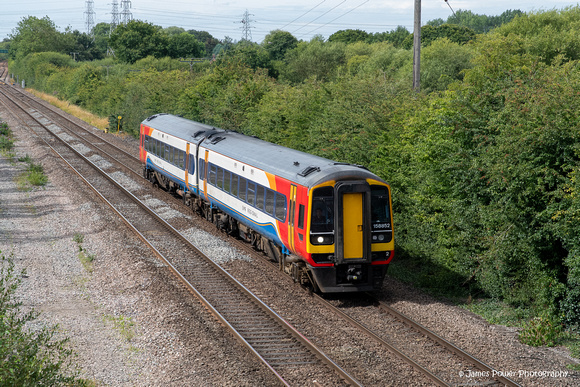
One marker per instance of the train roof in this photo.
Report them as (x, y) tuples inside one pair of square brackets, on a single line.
[(179, 127), (296, 166)]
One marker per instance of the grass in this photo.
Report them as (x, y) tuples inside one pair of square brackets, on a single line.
[(6, 140), (125, 326), (33, 176), (74, 110), (84, 256)]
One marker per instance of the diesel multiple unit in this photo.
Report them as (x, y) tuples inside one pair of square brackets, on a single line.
[(327, 224)]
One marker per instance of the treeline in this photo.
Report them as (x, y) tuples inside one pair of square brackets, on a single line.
[(483, 162)]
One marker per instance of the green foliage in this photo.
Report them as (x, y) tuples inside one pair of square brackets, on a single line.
[(6, 140), (442, 63), (33, 177), (349, 36), (429, 34), (30, 358), (184, 45), (478, 23), (4, 129), (548, 34), (125, 326), (85, 258), (396, 37), (543, 330), (36, 35), (277, 43), (137, 40), (315, 59)]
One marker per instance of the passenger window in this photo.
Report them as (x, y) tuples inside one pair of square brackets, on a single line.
[(260, 197), (191, 165), (201, 169), (234, 184), (242, 188), (166, 156), (212, 174), (171, 155), (301, 217), (251, 193), (270, 201), (280, 207), (227, 180), (220, 177)]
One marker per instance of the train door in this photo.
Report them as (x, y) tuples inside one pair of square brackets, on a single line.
[(352, 224), (352, 221), (291, 216), (205, 174), (186, 165)]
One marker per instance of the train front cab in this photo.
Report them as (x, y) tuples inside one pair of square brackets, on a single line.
[(350, 235)]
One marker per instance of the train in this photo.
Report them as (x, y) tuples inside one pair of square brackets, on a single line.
[(327, 224)]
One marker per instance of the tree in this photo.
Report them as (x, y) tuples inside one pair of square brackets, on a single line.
[(395, 37), (85, 48), (184, 45), (205, 37), (138, 39), (278, 42), (478, 23), (36, 35), (316, 58), (349, 36), (173, 30), (454, 33), (101, 36)]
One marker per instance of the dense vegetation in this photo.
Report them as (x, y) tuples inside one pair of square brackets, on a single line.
[(30, 357), (483, 162)]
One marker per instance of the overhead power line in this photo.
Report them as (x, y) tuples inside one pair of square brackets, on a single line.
[(324, 25), (447, 2), (304, 14), (331, 9)]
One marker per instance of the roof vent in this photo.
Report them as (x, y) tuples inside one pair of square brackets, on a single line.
[(155, 116), (217, 139), (309, 170)]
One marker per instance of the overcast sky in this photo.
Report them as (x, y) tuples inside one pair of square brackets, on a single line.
[(302, 18)]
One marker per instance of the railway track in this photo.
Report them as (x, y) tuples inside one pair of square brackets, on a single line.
[(282, 349), (250, 326)]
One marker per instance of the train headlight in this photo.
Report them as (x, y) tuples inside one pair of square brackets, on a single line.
[(322, 239), (381, 237)]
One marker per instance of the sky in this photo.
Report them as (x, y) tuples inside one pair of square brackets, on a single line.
[(223, 18)]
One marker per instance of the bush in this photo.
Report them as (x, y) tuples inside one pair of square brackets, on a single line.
[(30, 357), (542, 330)]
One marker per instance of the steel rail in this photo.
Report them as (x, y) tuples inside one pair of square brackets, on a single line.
[(441, 341)]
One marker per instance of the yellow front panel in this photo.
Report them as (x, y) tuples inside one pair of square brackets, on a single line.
[(353, 225)]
